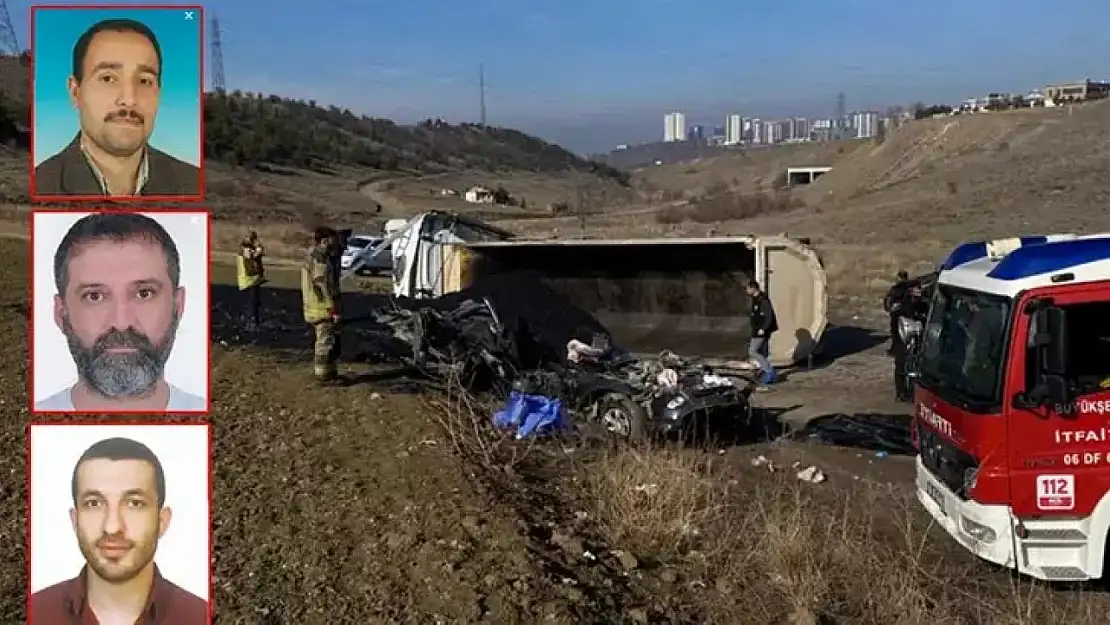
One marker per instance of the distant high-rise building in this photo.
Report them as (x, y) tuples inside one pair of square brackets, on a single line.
[(801, 128), (865, 124), (674, 127), (757, 131), (786, 129), (746, 132), (772, 132), (697, 133), (734, 132)]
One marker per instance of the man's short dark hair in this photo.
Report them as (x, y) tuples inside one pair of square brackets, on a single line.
[(321, 234), (118, 228), (116, 449), (754, 284), (903, 275), (117, 25)]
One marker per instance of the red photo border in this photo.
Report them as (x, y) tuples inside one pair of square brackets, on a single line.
[(152, 212), (211, 499), (58, 199)]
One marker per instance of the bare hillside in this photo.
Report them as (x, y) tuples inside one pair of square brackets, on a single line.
[(972, 176), (746, 171)]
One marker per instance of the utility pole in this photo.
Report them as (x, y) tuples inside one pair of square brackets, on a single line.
[(8, 39), (217, 63), (840, 112), (482, 92)]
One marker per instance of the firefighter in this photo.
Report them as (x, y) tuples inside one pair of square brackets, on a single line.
[(251, 276), (320, 295)]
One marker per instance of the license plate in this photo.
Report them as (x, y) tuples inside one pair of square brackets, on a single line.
[(937, 496)]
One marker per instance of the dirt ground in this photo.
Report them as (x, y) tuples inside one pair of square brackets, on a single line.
[(383, 502)]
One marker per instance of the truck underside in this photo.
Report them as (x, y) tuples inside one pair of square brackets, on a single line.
[(686, 296)]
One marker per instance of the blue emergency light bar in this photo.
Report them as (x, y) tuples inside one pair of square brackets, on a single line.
[(974, 250), (1036, 255)]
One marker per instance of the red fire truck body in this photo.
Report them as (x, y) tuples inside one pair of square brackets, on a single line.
[(1012, 420)]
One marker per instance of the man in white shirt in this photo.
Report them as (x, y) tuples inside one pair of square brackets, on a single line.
[(119, 301)]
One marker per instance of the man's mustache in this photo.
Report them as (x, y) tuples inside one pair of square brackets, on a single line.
[(126, 339), (126, 114), (114, 542)]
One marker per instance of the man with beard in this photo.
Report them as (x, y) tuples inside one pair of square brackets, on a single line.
[(119, 301), (115, 86), (118, 516)]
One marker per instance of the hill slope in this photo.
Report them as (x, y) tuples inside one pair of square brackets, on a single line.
[(245, 129), (990, 175)]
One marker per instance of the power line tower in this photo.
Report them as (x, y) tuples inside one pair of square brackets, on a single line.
[(840, 113), (8, 39), (482, 91), (217, 52)]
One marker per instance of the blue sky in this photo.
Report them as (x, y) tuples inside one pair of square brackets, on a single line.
[(591, 74), (177, 128)]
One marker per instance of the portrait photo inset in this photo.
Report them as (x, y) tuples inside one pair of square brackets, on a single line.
[(120, 524), (120, 306), (118, 103)]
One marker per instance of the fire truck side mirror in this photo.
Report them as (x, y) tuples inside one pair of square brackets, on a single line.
[(1056, 390), (1051, 340)]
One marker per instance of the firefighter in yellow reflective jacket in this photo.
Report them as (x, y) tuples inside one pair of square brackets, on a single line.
[(320, 294), (251, 275)]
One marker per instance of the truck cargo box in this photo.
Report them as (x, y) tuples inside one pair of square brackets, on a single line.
[(686, 295)]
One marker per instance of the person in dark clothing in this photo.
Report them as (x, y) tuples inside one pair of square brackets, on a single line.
[(764, 324), (892, 303), (905, 300)]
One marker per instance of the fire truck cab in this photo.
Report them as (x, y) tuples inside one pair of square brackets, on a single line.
[(1012, 394)]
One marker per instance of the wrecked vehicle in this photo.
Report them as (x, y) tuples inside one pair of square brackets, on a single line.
[(513, 332)]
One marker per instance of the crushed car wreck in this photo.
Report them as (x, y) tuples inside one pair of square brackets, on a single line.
[(513, 332)]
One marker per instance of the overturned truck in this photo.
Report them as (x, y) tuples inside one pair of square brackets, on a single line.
[(472, 296), (682, 294)]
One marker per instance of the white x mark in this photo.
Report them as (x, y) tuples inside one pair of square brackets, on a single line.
[(188, 15)]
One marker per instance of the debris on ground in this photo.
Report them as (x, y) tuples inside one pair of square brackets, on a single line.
[(811, 474)]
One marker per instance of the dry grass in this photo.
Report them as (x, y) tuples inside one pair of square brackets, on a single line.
[(725, 206), (716, 540), (752, 547), (748, 171), (538, 192)]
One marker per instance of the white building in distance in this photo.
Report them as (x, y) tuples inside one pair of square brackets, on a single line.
[(674, 127), (866, 124), (734, 131)]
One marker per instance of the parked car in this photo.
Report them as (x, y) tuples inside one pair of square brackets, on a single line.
[(382, 263)]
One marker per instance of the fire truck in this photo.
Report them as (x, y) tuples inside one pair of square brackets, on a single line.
[(1012, 403)]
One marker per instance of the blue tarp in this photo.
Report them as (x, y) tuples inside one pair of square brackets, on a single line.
[(532, 415)]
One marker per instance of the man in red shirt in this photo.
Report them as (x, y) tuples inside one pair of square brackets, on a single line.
[(118, 515)]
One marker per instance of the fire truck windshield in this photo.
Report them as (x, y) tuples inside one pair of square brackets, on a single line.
[(961, 356)]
